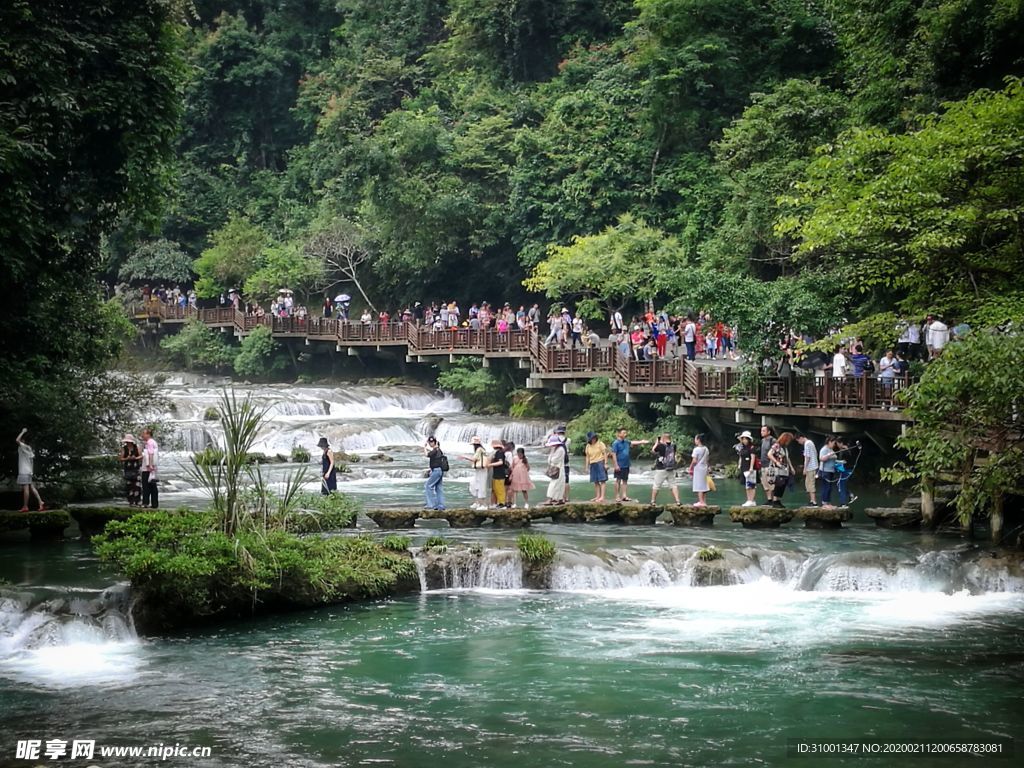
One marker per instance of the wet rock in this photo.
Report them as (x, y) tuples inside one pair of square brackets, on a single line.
[(453, 567), (637, 514), (760, 517), (394, 518), (713, 573), (894, 517), (509, 518), (687, 515), (824, 518), (537, 575), (457, 518), (380, 458)]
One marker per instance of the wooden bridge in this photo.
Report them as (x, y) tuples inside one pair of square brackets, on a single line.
[(775, 399)]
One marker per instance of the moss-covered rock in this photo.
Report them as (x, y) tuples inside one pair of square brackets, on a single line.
[(92, 520), (760, 517), (509, 518), (635, 514), (688, 515), (584, 512), (457, 518), (42, 526), (894, 517), (450, 567), (823, 517), (391, 519)]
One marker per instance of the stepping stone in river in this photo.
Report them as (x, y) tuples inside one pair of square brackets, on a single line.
[(688, 515), (760, 517), (821, 517), (394, 518), (894, 517), (509, 518), (457, 518)]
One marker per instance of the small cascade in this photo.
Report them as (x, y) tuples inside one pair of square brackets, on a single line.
[(448, 431), (461, 568), (943, 572), (28, 623)]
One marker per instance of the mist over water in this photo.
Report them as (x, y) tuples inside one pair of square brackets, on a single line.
[(629, 659)]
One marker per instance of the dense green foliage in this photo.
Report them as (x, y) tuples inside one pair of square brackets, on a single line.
[(185, 568), (607, 152), (198, 347), (606, 412), (260, 354), (967, 422), (535, 548), (88, 112)]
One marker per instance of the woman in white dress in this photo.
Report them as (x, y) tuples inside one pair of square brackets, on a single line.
[(556, 461), (699, 465)]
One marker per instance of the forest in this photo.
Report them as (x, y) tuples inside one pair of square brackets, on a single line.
[(784, 163)]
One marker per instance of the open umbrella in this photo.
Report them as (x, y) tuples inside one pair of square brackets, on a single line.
[(341, 298), (813, 360)]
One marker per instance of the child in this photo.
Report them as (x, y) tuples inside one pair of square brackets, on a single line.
[(521, 478), (26, 462)]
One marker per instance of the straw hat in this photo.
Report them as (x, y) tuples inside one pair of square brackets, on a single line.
[(746, 433), (553, 441), (129, 438)]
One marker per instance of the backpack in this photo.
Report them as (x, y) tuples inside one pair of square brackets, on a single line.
[(444, 463), (670, 456)]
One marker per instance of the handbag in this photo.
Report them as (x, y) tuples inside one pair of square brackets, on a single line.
[(711, 484), (552, 472)]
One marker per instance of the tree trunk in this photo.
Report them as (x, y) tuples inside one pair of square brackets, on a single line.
[(996, 519)]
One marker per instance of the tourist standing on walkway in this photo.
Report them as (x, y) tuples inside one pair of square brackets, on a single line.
[(434, 487), (131, 464), (150, 457), (595, 455), (781, 466), (478, 485), (748, 474), (700, 465), (690, 338), (767, 480), (664, 467), (521, 482), (499, 472), (328, 472), (810, 467), (621, 461), (26, 470), (557, 460)]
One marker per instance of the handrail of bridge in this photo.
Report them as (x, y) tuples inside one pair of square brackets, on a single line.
[(719, 384)]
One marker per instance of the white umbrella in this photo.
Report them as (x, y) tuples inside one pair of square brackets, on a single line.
[(341, 298)]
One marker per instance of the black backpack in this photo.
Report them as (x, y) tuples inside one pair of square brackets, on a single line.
[(444, 463)]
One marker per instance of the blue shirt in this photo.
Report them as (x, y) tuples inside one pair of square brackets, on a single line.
[(621, 450)]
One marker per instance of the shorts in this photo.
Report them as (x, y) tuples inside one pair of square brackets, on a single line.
[(810, 481), (622, 473), (24, 479), (664, 478), (749, 479)]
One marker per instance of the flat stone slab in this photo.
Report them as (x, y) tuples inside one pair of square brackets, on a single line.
[(457, 518), (823, 517), (92, 520), (760, 517), (394, 518), (586, 512), (509, 518), (46, 525), (689, 515), (894, 517), (637, 514)]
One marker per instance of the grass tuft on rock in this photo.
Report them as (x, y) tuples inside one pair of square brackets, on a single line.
[(535, 549)]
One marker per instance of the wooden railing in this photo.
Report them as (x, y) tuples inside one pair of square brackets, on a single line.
[(720, 386)]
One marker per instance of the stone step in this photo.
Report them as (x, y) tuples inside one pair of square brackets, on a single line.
[(824, 518), (894, 517), (761, 516)]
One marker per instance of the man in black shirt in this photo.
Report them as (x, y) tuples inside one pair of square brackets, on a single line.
[(498, 473), (767, 481)]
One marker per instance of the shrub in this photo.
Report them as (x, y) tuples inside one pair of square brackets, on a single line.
[(435, 544), (478, 388), (316, 512), (535, 549), (185, 568), (707, 554), (299, 455), (259, 355), (394, 543), (211, 414), (197, 347)]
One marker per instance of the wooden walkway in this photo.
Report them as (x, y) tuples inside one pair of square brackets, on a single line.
[(696, 384)]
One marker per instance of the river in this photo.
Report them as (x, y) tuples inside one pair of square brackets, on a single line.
[(860, 634)]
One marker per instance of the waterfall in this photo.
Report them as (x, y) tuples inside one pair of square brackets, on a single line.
[(943, 572), (451, 432), (66, 639)]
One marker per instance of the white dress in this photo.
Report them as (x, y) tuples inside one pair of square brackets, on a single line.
[(700, 469), (556, 486)]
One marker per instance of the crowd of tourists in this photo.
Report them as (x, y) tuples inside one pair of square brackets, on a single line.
[(501, 474)]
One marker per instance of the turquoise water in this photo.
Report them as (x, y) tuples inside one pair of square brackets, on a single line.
[(859, 634)]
